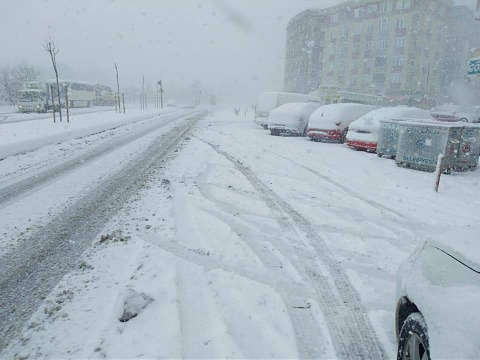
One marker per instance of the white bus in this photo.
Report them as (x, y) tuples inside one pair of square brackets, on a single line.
[(36, 96), (80, 93)]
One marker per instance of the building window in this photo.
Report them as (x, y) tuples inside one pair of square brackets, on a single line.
[(396, 78), (398, 61), (399, 43), (331, 50), (356, 48), (343, 49), (369, 45), (382, 43), (400, 24), (385, 6), (403, 4), (370, 28), (379, 78), (380, 61), (359, 12), (383, 24), (371, 9), (334, 18)]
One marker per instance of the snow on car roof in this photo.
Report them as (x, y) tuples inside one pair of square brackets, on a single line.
[(372, 119), (345, 113), (463, 244)]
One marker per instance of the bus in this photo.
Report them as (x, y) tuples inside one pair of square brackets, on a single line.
[(104, 95), (36, 96)]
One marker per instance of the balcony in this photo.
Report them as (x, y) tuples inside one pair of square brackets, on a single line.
[(397, 69)]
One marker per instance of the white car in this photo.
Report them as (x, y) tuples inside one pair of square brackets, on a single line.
[(438, 299), (363, 133), (270, 100), (291, 118), (451, 113)]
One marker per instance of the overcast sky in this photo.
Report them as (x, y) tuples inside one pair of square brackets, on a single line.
[(232, 46)]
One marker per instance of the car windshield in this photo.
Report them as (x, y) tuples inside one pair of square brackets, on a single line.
[(26, 96), (242, 179)]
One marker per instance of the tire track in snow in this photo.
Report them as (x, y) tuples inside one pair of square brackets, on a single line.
[(342, 187), (307, 331), (352, 334), (22, 187), (32, 270)]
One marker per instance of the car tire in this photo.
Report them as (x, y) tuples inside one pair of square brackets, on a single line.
[(413, 332), (265, 127), (465, 120), (273, 133)]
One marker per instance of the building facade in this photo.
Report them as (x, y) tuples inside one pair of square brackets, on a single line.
[(400, 49)]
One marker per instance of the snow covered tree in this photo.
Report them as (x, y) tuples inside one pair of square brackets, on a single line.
[(6, 86)]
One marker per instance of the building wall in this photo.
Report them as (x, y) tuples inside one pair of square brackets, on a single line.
[(397, 48)]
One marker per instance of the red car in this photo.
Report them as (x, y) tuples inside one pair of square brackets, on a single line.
[(330, 122)]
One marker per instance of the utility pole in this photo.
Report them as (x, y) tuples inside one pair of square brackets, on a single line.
[(143, 93), (118, 89), (426, 85), (160, 90), (66, 102)]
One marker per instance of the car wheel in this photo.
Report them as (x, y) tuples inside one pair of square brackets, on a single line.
[(413, 339), (379, 154), (463, 120), (265, 127), (273, 132)]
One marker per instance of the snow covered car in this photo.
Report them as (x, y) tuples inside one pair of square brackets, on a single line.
[(291, 118), (451, 113), (268, 101), (438, 299), (331, 122), (363, 133)]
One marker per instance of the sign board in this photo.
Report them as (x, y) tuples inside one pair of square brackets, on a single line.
[(474, 66)]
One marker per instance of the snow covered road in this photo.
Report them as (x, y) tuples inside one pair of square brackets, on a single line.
[(32, 267), (238, 244)]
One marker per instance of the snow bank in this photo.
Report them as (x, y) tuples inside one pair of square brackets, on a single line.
[(30, 135)]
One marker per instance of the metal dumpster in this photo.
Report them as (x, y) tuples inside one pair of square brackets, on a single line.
[(469, 150), (420, 144), (389, 133)]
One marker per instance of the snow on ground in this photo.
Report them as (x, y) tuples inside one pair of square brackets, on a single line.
[(203, 262), (18, 137)]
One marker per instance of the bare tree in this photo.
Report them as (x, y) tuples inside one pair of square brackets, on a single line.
[(24, 72), (52, 49)]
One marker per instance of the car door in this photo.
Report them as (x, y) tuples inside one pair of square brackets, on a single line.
[(447, 293)]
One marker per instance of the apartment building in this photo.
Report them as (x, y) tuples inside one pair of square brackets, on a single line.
[(401, 49)]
